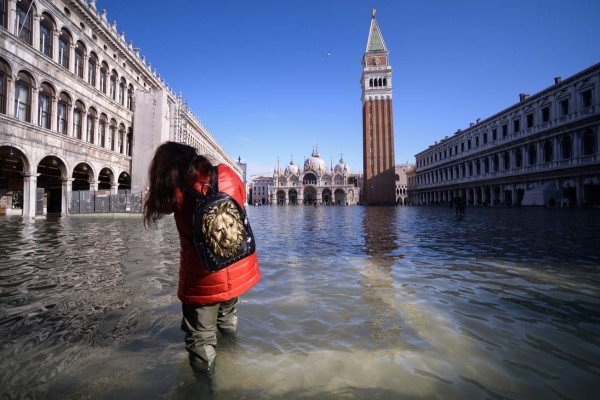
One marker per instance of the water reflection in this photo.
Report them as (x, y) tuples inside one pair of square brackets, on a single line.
[(354, 303)]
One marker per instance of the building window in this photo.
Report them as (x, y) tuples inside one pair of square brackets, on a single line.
[(89, 130), (476, 141), (564, 107), (121, 138), (112, 88), (130, 140), (506, 160), (61, 116), (92, 64), (44, 110), (531, 155), (545, 114), (23, 22), (494, 134), (77, 118), (79, 62), (4, 13), (103, 74), (530, 120), (102, 133), (22, 100), (518, 158), (484, 138), (486, 165), (3, 86), (122, 92), (548, 151), (469, 144), (130, 98), (63, 51), (462, 147), (496, 163), (46, 37), (111, 135), (588, 142), (566, 148), (504, 130), (516, 125), (586, 98)]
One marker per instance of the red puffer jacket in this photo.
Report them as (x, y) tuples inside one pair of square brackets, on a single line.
[(196, 284)]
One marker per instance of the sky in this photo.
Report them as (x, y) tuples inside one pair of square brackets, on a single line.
[(272, 80)]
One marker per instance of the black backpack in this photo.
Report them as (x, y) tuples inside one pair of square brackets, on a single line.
[(222, 233)]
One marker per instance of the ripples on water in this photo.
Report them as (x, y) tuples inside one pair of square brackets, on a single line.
[(354, 303)]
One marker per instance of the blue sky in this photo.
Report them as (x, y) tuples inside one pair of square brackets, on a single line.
[(257, 74)]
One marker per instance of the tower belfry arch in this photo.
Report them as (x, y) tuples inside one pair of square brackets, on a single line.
[(378, 123)]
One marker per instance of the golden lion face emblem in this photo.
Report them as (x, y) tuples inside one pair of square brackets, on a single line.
[(223, 229)]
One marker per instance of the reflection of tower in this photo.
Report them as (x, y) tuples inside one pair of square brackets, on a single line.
[(378, 282), (378, 124)]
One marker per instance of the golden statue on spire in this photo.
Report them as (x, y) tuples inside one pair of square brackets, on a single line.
[(374, 11)]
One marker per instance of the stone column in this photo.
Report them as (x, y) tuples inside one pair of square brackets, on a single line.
[(67, 187), (93, 186), (35, 29), (53, 114), (579, 191), (10, 95), (513, 194), (55, 35), (34, 105), (83, 117), (114, 187), (12, 16), (72, 57), (70, 110), (84, 68), (29, 192)]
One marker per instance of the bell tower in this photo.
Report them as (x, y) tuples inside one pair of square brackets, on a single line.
[(379, 185)]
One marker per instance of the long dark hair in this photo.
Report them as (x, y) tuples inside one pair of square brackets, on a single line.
[(172, 164)]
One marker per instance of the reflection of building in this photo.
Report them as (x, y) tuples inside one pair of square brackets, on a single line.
[(260, 190), (315, 183), (80, 110), (378, 122), (543, 150)]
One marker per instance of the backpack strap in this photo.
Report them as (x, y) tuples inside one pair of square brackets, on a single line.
[(199, 195), (216, 184)]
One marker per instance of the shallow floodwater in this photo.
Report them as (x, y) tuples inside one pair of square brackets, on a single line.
[(354, 303)]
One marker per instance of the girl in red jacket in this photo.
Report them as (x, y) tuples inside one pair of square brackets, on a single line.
[(208, 299)]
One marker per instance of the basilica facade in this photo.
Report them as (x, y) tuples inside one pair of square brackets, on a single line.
[(314, 183)]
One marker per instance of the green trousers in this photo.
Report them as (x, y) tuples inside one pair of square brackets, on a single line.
[(200, 324)]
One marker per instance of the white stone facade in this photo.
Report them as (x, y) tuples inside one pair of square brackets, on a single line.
[(71, 88)]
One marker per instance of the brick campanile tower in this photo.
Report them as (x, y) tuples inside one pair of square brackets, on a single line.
[(378, 123)]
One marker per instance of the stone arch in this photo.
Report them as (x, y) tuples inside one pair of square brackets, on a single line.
[(124, 181), (106, 178), (310, 194)]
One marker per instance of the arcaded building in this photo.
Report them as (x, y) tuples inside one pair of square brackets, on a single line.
[(81, 111), (542, 151)]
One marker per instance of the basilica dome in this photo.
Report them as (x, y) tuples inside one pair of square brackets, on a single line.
[(341, 167), (315, 163), (291, 169)]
